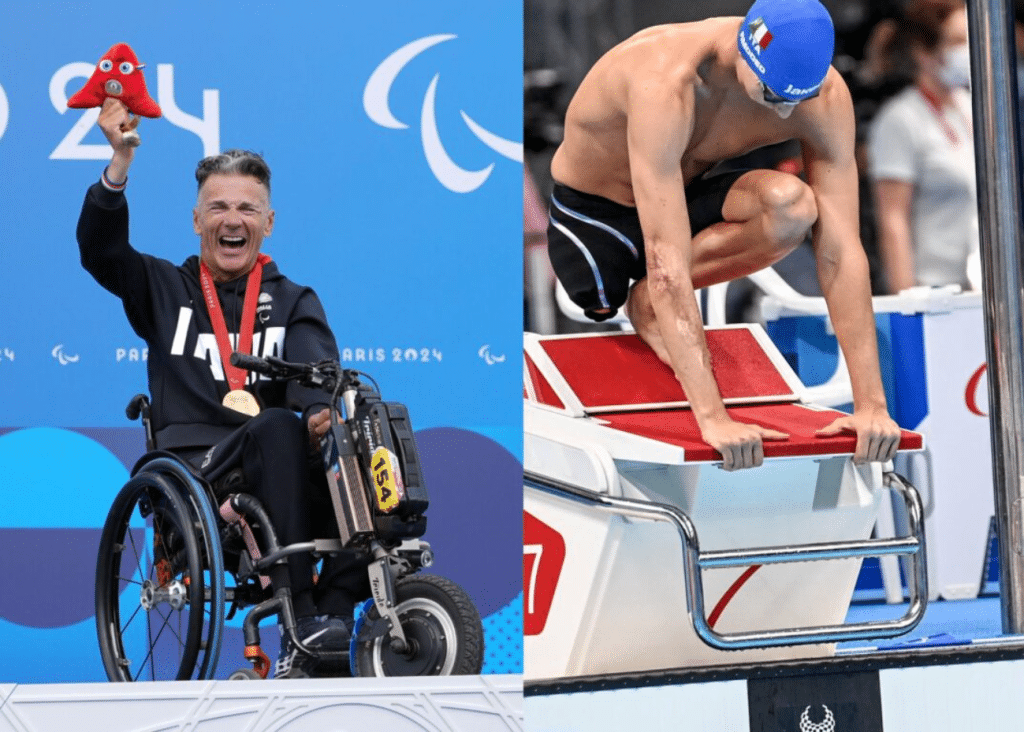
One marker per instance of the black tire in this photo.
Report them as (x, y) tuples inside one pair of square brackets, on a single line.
[(151, 589), (207, 524), (442, 624)]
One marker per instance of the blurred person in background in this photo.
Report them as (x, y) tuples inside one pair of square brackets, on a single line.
[(921, 154), (873, 80)]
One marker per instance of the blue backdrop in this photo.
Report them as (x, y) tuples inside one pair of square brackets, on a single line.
[(393, 132)]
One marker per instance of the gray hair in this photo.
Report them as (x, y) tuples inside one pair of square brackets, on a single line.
[(234, 162)]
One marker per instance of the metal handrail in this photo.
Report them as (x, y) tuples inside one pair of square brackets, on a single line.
[(694, 560)]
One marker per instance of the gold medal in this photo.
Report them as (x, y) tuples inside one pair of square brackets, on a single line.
[(241, 401), (237, 397)]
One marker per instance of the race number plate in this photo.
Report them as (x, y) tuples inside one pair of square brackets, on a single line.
[(387, 480)]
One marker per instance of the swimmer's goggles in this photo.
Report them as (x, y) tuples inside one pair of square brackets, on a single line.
[(771, 97)]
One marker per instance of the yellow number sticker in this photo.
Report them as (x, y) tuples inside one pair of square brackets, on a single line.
[(385, 480)]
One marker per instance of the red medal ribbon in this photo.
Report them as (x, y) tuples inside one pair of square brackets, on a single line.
[(235, 376), (938, 109)]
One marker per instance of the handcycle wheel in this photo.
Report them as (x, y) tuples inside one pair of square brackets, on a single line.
[(152, 589), (441, 624)]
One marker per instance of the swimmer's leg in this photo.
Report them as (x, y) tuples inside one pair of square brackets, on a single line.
[(641, 315), (767, 214)]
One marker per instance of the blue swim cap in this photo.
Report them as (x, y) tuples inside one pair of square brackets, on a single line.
[(789, 45)]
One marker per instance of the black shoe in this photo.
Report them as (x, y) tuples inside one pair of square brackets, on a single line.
[(318, 633)]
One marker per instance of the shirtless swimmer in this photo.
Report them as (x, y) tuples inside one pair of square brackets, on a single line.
[(632, 202)]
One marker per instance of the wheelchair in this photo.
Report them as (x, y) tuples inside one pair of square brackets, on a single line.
[(175, 562)]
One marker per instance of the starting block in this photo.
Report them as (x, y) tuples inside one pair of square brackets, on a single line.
[(641, 552)]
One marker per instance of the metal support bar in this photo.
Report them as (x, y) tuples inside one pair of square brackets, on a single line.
[(809, 552), (268, 560), (998, 164), (694, 560)]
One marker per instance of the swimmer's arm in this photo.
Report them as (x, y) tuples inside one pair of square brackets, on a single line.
[(658, 134), (843, 270), (660, 125), (892, 213)]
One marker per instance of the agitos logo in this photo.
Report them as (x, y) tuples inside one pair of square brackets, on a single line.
[(971, 393), (448, 173)]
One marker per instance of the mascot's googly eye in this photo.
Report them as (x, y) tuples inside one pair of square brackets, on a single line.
[(126, 68), (106, 65)]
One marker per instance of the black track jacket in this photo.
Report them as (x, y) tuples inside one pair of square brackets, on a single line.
[(165, 307)]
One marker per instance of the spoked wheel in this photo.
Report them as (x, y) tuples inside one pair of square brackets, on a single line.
[(153, 589), (442, 626)]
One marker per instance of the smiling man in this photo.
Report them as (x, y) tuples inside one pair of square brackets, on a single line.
[(636, 198), (226, 422), (231, 217)]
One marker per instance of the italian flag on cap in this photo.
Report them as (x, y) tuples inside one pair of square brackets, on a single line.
[(760, 33)]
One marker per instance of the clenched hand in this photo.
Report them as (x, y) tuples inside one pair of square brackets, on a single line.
[(878, 435), (739, 443), (318, 424)]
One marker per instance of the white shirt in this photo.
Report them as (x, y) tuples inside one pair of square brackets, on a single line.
[(910, 142)]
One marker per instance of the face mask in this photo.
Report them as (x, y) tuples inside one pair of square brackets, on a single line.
[(956, 70)]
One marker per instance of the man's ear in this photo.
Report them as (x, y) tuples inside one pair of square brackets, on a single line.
[(269, 228), (195, 219)]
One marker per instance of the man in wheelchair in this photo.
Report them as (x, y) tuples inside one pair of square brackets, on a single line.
[(230, 424)]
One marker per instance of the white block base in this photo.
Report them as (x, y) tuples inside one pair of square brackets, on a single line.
[(463, 703)]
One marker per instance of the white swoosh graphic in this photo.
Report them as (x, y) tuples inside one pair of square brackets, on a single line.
[(450, 175), (5, 111), (488, 357), (62, 358), (378, 87), (511, 150)]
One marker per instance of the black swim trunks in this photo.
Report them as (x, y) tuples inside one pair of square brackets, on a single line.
[(596, 245)]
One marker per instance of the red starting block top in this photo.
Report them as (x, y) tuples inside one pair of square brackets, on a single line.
[(619, 381), (616, 372), (679, 427)]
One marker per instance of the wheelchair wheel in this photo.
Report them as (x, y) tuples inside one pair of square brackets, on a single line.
[(153, 587), (443, 628)]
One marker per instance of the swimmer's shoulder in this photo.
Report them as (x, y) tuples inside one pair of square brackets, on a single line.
[(678, 39), (671, 52), (703, 29), (834, 99), (826, 120)]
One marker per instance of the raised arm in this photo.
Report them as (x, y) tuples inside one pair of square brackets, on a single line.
[(115, 120), (828, 147), (660, 124), (102, 230)]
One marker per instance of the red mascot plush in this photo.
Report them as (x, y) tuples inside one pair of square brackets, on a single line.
[(118, 74)]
